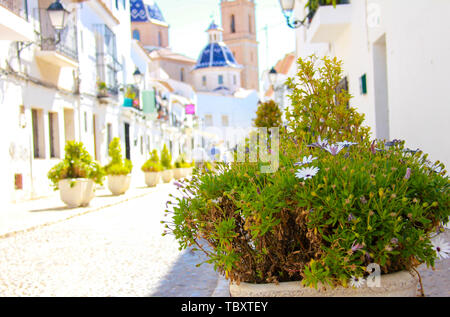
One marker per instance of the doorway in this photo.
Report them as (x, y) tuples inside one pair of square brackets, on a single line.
[(127, 141)]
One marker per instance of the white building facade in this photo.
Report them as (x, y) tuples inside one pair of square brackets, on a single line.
[(395, 59)]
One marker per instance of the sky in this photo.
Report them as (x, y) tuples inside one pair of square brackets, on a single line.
[(189, 19)]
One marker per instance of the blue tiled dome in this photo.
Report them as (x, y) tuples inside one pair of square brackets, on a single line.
[(216, 55), (144, 11)]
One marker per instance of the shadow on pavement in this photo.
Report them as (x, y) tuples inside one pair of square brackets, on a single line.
[(186, 280)]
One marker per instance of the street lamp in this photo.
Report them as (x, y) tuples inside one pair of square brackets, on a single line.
[(273, 75), (58, 15), (287, 7), (137, 75)]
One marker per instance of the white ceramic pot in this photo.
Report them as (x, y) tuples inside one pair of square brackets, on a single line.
[(178, 173), (152, 178), (76, 192), (167, 175), (119, 184), (400, 284)]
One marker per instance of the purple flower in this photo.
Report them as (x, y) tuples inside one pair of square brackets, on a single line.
[(394, 241), (334, 149), (351, 217), (258, 191), (356, 247), (408, 173), (320, 143), (368, 257), (177, 184)]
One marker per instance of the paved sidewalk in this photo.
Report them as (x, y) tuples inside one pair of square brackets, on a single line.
[(29, 215)]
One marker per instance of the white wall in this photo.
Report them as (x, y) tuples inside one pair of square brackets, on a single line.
[(417, 66)]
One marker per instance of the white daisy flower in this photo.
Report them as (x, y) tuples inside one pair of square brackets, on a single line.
[(306, 160), (357, 281), (307, 172), (346, 143), (334, 149), (442, 248)]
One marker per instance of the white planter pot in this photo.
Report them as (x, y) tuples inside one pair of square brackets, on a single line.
[(119, 184), (152, 178), (178, 173), (400, 284), (76, 192), (167, 175)]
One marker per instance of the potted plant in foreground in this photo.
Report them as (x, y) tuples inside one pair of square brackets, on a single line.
[(152, 169), (76, 175), (118, 169), (342, 215), (166, 163)]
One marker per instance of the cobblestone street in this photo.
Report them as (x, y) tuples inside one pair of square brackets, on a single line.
[(118, 251)]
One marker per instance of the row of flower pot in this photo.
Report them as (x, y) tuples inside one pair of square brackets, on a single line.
[(80, 191)]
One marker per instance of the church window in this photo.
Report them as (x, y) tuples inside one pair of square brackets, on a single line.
[(225, 122), (220, 79), (250, 23), (204, 80), (160, 39), (233, 24), (182, 74)]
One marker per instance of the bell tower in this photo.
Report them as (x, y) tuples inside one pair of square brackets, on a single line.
[(239, 34)]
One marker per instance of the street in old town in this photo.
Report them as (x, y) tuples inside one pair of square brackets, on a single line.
[(115, 251)]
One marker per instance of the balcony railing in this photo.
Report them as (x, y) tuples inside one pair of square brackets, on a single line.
[(19, 7), (65, 42)]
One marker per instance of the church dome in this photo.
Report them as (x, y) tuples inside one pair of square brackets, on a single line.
[(216, 54), (145, 11)]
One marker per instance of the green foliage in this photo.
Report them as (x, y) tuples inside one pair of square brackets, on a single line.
[(268, 115), (181, 162), (118, 165), (370, 202), (77, 163), (152, 164), (166, 159), (318, 107)]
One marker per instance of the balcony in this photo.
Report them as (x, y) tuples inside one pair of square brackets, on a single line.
[(14, 25), (57, 49), (328, 23)]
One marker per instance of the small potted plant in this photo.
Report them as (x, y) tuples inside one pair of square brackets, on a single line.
[(166, 163), (180, 167), (343, 215), (118, 170), (152, 169), (76, 175), (102, 89)]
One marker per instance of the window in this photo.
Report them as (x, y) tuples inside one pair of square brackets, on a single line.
[(208, 120), (159, 39), (85, 122), (220, 79), (136, 35), (54, 134), (182, 74), (234, 80), (38, 133), (204, 81), (363, 84), (233, 24), (250, 23), (225, 122), (108, 137)]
